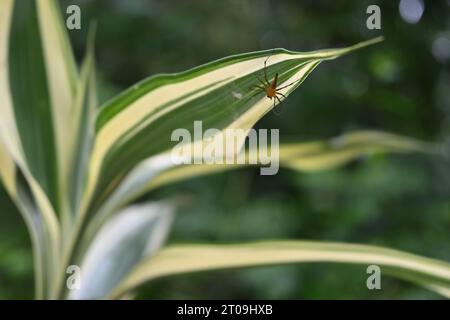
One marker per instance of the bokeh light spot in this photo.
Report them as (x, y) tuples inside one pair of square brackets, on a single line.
[(411, 10), (441, 48)]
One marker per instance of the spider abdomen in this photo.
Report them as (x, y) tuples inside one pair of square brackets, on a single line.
[(271, 91)]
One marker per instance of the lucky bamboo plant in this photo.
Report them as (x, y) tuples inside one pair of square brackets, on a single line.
[(74, 169)]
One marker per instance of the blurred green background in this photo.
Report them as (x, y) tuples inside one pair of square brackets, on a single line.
[(401, 85)]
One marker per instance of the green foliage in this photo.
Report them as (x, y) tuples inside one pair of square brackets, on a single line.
[(54, 146)]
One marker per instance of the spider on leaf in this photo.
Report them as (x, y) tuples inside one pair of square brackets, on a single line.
[(270, 88)]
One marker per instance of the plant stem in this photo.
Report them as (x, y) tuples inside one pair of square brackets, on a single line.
[(57, 291)]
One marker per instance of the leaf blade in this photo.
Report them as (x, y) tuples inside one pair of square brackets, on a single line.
[(152, 109), (132, 235), (192, 258), (61, 77), (302, 156), (31, 102)]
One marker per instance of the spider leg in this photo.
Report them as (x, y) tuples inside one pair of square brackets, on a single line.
[(257, 92), (284, 97), (253, 95), (288, 85), (265, 71), (258, 86), (262, 82), (273, 109), (278, 99)]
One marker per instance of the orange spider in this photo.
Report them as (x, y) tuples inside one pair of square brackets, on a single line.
[(270, 88)]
